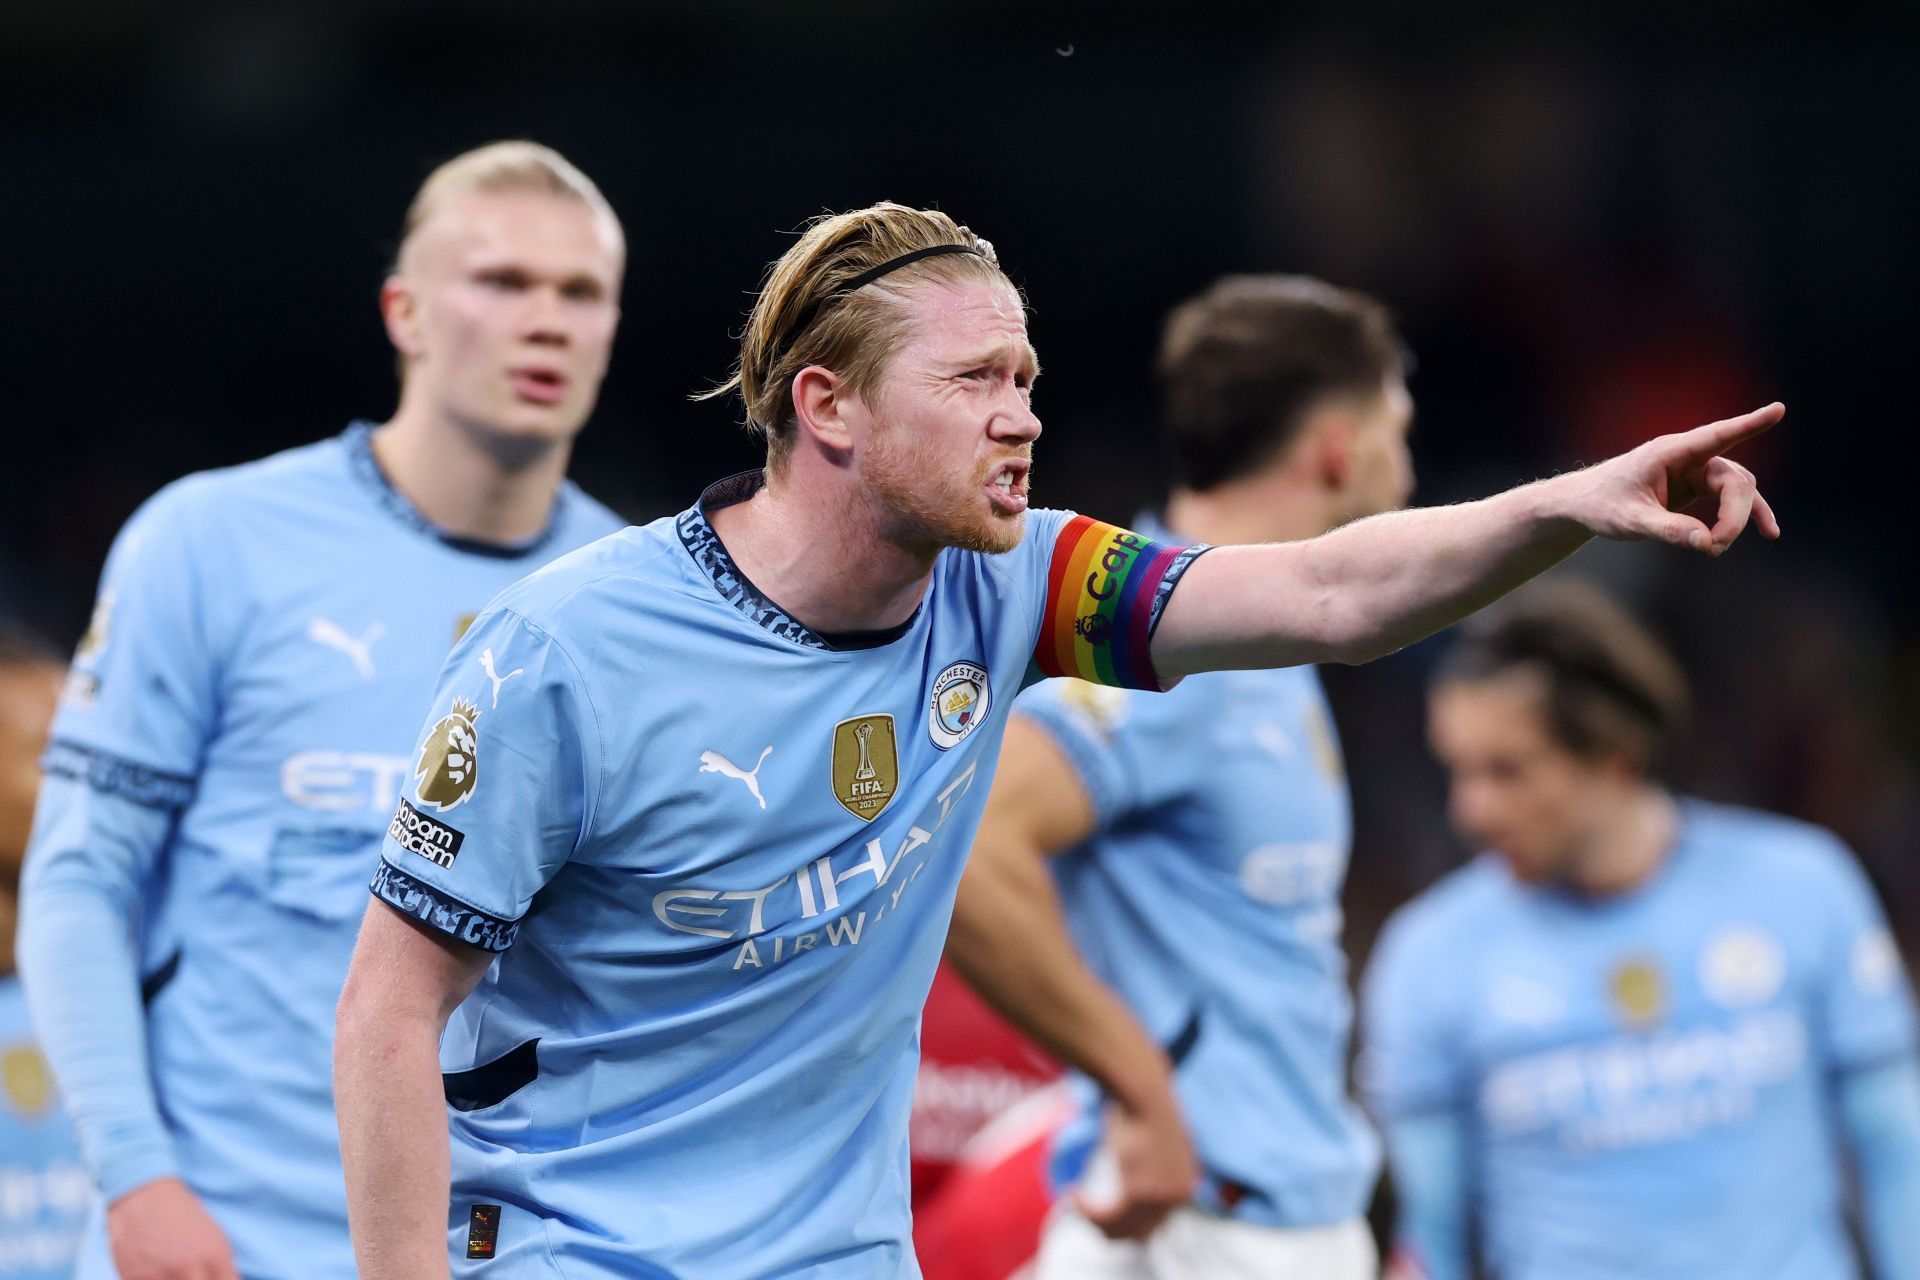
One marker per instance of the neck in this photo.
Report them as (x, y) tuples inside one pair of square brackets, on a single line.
[(823, 557), (9, 915), (1629, 847), (469, 480), (1277, 505)]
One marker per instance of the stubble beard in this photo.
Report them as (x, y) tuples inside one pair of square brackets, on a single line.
[(953, 516)]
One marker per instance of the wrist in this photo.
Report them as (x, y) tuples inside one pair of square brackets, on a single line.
[(133, 1172)]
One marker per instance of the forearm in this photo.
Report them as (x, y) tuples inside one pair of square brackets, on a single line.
[(1880, 1112), (1010, 941), (1363, 590), (80, 966), (393, 1141), (1430, 1185)]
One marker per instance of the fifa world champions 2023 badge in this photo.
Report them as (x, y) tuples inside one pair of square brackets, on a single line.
[(866, 765), (958, 703)]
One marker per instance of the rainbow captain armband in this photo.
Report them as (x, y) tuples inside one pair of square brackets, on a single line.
[(1105, 590)]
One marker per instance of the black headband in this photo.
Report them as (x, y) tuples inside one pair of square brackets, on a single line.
[(861, 281)]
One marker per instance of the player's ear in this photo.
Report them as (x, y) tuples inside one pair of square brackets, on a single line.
[(401, 311), (822, 406), (1330, 433)]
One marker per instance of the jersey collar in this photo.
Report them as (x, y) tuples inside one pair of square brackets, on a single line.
[(704, 545), (358, 439)]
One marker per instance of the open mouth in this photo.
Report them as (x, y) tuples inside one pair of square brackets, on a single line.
[(1007, 486), (539, 384)]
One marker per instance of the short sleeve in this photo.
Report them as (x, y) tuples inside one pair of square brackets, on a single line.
[(1120, 755), (1864, 1005), (142, 697), (504, 782), (1105, 590), (1410, 1062)]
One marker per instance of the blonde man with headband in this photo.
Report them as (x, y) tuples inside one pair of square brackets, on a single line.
[(681, 886), (238, 724)]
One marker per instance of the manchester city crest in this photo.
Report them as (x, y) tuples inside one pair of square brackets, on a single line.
[(866, 765), (958, 703), (448, 764)]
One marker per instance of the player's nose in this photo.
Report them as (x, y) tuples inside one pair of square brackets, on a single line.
[(1016, 423), (545, 320)]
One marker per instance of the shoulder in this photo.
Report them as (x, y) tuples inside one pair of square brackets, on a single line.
[(207, 498), (1786, 850), (587, 518), (613, 573), (1447, 920)]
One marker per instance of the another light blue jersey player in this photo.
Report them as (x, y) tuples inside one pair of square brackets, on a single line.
[(1640, 1038), (44, 1191), (717, 852), (1649, 1083), (1208, 898), (227, 757)]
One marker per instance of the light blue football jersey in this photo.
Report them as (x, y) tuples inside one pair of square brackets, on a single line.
[(237, 728), (718, 853), (1208, 898), (1647, 1080), (44, 1191)]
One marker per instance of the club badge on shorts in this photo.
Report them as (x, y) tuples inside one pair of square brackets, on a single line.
[(958, 705)]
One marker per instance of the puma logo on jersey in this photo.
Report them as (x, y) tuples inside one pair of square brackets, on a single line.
[(1272, 738), (359, 649), (714, 762), (486, 661)]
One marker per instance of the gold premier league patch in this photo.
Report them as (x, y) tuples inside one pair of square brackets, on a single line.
[(866, 765), (448, 767)]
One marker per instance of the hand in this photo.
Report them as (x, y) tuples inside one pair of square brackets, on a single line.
[(1644, 493), (161, 1231), (1153, 1163)]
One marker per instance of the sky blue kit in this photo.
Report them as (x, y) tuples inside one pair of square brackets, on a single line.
[(717, 853), (1652, 1085), (1208, 898), (236, 731)]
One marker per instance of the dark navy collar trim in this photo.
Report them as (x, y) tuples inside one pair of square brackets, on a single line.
[(704, 545), (358, 439)]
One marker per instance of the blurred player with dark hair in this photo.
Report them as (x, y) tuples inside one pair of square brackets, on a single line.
[(44, 1192), (238, 725), (1201, 837), (1643, 1036)]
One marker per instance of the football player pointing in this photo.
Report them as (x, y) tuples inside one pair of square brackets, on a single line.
[(231, 739), (694, 1054)]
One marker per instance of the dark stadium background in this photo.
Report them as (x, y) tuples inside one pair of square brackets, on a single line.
[(1596, 224)]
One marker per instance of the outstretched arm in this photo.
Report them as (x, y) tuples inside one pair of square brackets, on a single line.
[(405, 982), (1010, 942), (1379, 584)]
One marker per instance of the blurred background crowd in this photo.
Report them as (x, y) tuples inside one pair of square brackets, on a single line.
[(1594, 226)]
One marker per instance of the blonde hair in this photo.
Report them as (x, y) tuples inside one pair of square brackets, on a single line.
[(500, 168), (804, 317)]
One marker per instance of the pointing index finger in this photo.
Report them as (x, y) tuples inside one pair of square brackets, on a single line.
[(1717, 437)]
